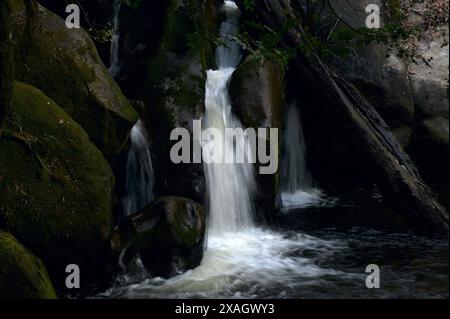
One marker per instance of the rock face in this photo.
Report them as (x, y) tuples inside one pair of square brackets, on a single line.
[(430, 143), (22, 275), (65, 65), (412, 98), (168, 74), (257, 91), (56, 185), (168, 236)]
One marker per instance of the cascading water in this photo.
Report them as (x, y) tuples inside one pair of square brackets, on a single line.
[(294, 173), (139, 172), (230, 186), (241, 260), (114, 49), (297, 189)]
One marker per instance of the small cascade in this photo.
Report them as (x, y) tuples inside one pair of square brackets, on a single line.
[(114, 49), (296, 181), (139, 172), (230, 186)]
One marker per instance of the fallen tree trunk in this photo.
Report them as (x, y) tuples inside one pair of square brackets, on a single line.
[(392, 168)]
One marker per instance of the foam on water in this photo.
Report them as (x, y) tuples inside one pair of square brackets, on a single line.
[(255, 263)]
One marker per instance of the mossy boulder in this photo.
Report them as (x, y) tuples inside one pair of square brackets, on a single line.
[(167, 236), (64, 64), (56, 185), (257, 91), (22, 275)]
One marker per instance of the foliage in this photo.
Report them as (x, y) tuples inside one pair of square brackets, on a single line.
[(325, 38), (101, 34)]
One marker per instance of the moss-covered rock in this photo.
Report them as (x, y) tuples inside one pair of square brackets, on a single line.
[(64, 64), (22, 275), (167, 236), (6, 62), (176, 90), (257, 92), (167, 72), (56, 185)]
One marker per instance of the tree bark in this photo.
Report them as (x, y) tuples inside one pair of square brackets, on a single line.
[(390, 167)]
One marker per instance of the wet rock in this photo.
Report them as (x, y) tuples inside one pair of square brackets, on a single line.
[(257, 91), (167, 236)]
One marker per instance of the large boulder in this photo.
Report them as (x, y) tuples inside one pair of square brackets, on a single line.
[(64, 64), (56, 185), (257, 91), (22, 275), (167, 236), (167, 72)]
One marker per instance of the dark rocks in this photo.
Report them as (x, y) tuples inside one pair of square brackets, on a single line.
[(167, 58), (407, 95), (168, 237)]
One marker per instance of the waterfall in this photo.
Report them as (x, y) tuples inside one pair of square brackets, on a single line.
[(241, 259), (295, 175), (296, 181), (114, 49), (230, 186), (139, 171)]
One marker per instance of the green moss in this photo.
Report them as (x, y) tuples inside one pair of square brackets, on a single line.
[(55, 185), (65, 65), (22, 275)]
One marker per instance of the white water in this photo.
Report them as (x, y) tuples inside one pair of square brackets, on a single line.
[(139, 172), (230, 186), (256, 263), (114, 49), (297, 188)]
